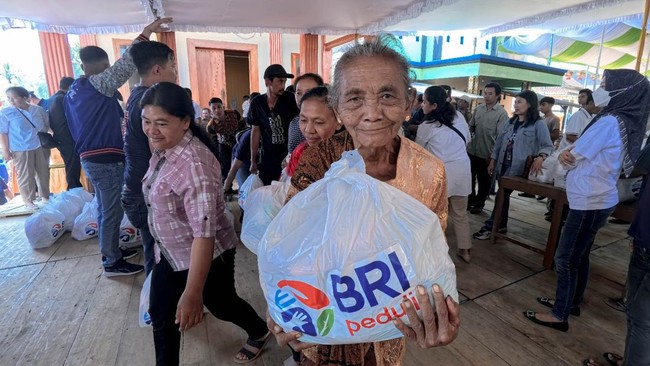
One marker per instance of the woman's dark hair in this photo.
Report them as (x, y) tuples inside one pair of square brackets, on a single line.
[(532, 115), (19, 91), (310, 75), (444, 113), (320, 92), (174, 100)]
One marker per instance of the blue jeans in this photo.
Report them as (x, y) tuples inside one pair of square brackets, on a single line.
[(504, 212), (638, 308), (107, 181), (572, 258), (136, 210)]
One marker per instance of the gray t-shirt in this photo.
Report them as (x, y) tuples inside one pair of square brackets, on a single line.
[(486, 124)]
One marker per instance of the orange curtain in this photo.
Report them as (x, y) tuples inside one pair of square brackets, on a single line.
[(308, 53), (56, 58), (275, 46), (87, 40)]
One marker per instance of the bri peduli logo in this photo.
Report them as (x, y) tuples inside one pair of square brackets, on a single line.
[(91, 229), (128, 234), (362, 297), (56, 230)]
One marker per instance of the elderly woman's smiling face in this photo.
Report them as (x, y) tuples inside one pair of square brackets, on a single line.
[(372, 101)]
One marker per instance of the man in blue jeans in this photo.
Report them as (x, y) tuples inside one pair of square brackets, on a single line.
[(94, 118), (155, 62)]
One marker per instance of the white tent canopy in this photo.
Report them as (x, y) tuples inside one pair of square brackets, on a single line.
[(311, 16)]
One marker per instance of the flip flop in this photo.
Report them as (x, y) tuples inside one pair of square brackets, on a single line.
[(612, 358), (590, 362), (251, 356)]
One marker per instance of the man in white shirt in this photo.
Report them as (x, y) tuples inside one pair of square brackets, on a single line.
[(580, 119)]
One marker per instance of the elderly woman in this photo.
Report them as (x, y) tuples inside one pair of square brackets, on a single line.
[(609, 145), (370, 94), (195, 242), (19, 128), (524, 135), (445, 134)]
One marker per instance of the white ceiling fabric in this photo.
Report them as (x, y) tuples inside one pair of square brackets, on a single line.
[(314, 16)]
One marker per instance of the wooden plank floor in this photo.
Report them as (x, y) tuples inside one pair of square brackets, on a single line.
[(57, 309)]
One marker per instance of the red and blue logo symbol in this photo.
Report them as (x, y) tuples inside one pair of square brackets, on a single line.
[(91, 229), (56, 230), (310, 297), (128, 234)]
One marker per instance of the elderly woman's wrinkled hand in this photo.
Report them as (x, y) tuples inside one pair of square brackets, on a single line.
[(438, 326), (286, 339)]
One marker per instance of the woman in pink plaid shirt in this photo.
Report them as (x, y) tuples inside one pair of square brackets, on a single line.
[(195, 242)]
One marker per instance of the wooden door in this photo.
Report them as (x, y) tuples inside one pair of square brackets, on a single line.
[(207, 66), (211, 75)]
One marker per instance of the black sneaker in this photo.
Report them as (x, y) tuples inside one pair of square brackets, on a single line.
[(502, 230), (122, 268), (482, 234), (128, 253)]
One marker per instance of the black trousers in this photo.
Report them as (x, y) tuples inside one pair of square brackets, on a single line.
[(479, 175), (72, 165), (225, 158), (219, 296)]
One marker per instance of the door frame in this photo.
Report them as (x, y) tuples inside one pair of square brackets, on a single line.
[(253, 65)]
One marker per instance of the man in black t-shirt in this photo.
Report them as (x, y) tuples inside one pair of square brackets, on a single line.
[(269, 115)]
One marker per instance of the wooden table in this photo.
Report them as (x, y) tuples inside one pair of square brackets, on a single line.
[(535, 188)]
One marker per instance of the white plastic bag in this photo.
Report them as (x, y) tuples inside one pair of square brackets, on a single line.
[(85, 225), (44, 227), (70, 206), (250, 184), (338, 259), (144, 320), (128, 233), (261, 207), (548, 170), (81, 193)]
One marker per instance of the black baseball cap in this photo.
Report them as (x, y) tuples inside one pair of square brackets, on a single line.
[(276, 71)]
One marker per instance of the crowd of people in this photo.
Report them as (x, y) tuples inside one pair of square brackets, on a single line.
[(169, 165)]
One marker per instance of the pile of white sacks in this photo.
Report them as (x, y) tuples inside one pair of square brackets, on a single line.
[(74, 211)]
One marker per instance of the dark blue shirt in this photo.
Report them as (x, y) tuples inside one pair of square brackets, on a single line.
[(640, 228), (136, 144), (242, 150)]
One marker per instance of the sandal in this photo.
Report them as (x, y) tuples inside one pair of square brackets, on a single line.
[(590, 362), (250, 355), (612, 358)]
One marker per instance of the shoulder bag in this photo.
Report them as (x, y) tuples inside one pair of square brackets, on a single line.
[(47, 141)]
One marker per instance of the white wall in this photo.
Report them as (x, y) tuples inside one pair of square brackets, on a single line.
[(290, 44)]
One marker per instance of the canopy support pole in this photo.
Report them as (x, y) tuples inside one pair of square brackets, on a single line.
[(644, 30), (550, 54), (600, 54)]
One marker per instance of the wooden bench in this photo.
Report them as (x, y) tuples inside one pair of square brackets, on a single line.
[(535, 188)]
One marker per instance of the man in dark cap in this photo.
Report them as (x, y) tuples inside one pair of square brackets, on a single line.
[(270, 115)]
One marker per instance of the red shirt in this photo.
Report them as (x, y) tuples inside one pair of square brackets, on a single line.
[(295, 158)]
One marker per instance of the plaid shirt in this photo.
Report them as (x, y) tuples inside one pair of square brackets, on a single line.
[(182, 189)]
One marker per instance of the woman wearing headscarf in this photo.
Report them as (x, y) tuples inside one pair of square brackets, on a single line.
[(370, 95), (609, 145), (445, 134)]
